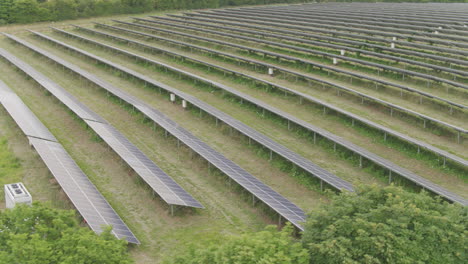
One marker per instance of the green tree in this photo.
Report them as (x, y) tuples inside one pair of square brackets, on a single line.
[(387, 225), (5, 11), (62, 9), (39, 234), (28, 11), (265, 247)]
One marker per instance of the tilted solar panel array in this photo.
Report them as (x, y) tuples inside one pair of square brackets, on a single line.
[(86, 198), (160, 182), (163, 185), (281, 55), (326, 23), (83, 194), (373, 38), (359, 150), (303, 163), (284, 14), (310, 98), (305, 26), (264, 193), (24, 118), (329, 55), (328, 45), (256, 62)]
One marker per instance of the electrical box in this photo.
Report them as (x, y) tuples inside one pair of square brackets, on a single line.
[(16, 193), (270, 71)]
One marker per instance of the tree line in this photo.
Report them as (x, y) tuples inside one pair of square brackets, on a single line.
[(29, 11), (375, 225)]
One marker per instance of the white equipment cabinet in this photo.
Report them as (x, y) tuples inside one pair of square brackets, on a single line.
[(16, 193)]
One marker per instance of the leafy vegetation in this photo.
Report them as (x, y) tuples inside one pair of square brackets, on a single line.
[(40, 234), (387, 225), (29, 11), (265, 247), (374, 225)]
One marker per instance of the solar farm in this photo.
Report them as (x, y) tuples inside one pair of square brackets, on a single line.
[(176, 126)]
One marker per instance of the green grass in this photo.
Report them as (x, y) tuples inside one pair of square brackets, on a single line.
[(343, 153), (407, 149), (330, 74), (10, 166)]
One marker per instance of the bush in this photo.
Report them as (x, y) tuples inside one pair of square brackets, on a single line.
[(387, 225), (266, 247), (40, 234), (29, 11)]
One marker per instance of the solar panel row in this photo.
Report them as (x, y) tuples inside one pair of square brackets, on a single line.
[(321, 53), (388, 12), (356, 149), (292, 36), (24, 118), (296, 159), (327, 20), (424, 25), (264, 193), (371, 38), (358, 43), (157, 179), (393, 107), (282, 56), (324, 16), (86, 198), (392, 132), (83, 194), (457, 41)]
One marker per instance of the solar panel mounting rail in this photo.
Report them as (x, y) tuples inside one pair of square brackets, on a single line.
[(262, 31), (341, 88), (155, 177), (329, 55), (337, 140), (307, 97), (330, 20), (459, 41), (86, 198), (264, 193), (290, 58), (387, 40)]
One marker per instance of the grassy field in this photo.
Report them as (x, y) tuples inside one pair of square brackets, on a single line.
[(229, 210)]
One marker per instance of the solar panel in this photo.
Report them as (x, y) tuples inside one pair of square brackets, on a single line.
[(273, 199), (330, 20), (338, 47), (296, 159), (83, 194), (277, 67), (275, 54), (63, 96), (160, 182), (330, 136), (306, 15), (336, 13), (324, 24), (24, 118), (312, 51), (305, 96), (89, 202)]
